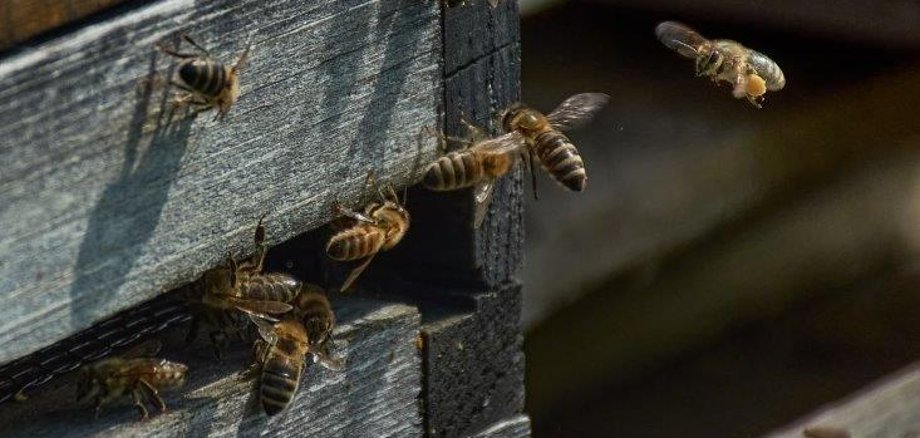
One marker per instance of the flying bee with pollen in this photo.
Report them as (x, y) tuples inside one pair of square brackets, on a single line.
[(546, 141), (380, 227), (224, 294), (480, 164), (204, 81), (136, 372), (750, 72)]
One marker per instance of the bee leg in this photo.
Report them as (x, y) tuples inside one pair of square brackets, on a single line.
[(258, 358), (356, 272), (174, 53), (476, 132), (528, 158), (151, 394), (194, 44), (345, 211), (259, 239), (241, 61), (139, 402)]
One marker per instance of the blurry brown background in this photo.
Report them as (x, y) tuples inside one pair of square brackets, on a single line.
[(728, 269)]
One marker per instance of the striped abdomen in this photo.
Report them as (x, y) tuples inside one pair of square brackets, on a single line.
[(560, 158), (356, 243), (270, 287), (768, 70), (206, 77), (280, 378), (455, 170)]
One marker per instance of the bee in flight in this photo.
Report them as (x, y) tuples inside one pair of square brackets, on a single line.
[(478, 165), (280, 360), (543, 135), (380, 227), (205, 82), (750, 72), (222, 293), (135, 372)]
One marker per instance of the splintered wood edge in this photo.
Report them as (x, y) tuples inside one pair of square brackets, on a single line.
[(106, 205), (378, 390)]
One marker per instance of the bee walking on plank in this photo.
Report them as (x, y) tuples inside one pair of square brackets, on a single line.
[(280, 353), (205, 82), (478, 165), (380, 227), (750, 72), (556, 153), (135, 372), (224, 292)]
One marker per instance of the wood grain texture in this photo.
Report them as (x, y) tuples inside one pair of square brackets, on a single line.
[(376, 395), (106, 205), (888, 408)]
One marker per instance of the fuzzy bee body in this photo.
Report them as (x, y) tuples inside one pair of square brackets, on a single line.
[(553, 149), (206, 82), (380, 227), (142, 377), (560, 159), (314, 311), (281, 357), (750, 72), (222, 297)]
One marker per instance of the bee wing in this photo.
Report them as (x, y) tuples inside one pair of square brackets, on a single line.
[(577, 110), (483, 192), (258, 307), (148, 348), (503, 144), (680, 38), (266, 329)]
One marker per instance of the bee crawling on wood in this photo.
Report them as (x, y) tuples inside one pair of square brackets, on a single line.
[(135, 372), (223, 294), (380, 227), (480, 164), (205, 82), (279, 355), (750, 72), (544, 136)]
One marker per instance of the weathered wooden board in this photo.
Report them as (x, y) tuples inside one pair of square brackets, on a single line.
[(105, 205), (376, 395), (889, 408), (24, 19)]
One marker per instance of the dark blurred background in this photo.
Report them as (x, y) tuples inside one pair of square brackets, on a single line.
[(728, 269)]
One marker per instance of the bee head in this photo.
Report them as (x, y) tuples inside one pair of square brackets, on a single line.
[(516, 117), (708, 62)]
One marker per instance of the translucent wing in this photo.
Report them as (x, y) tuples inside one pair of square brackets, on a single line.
[(680, 38), (258, 307), (503, 144), (148, 348), (576, 110), (266, 329), (483, 193)]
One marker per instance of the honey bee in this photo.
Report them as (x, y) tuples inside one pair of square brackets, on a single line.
[(750, 72), (280, 357), (136, 372), (478, 165), (224, 292), (543, 134), (206, 82), (382, 225)]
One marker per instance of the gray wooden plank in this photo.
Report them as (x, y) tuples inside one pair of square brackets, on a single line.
[(376, 395), (104, 206), (889, 408)]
